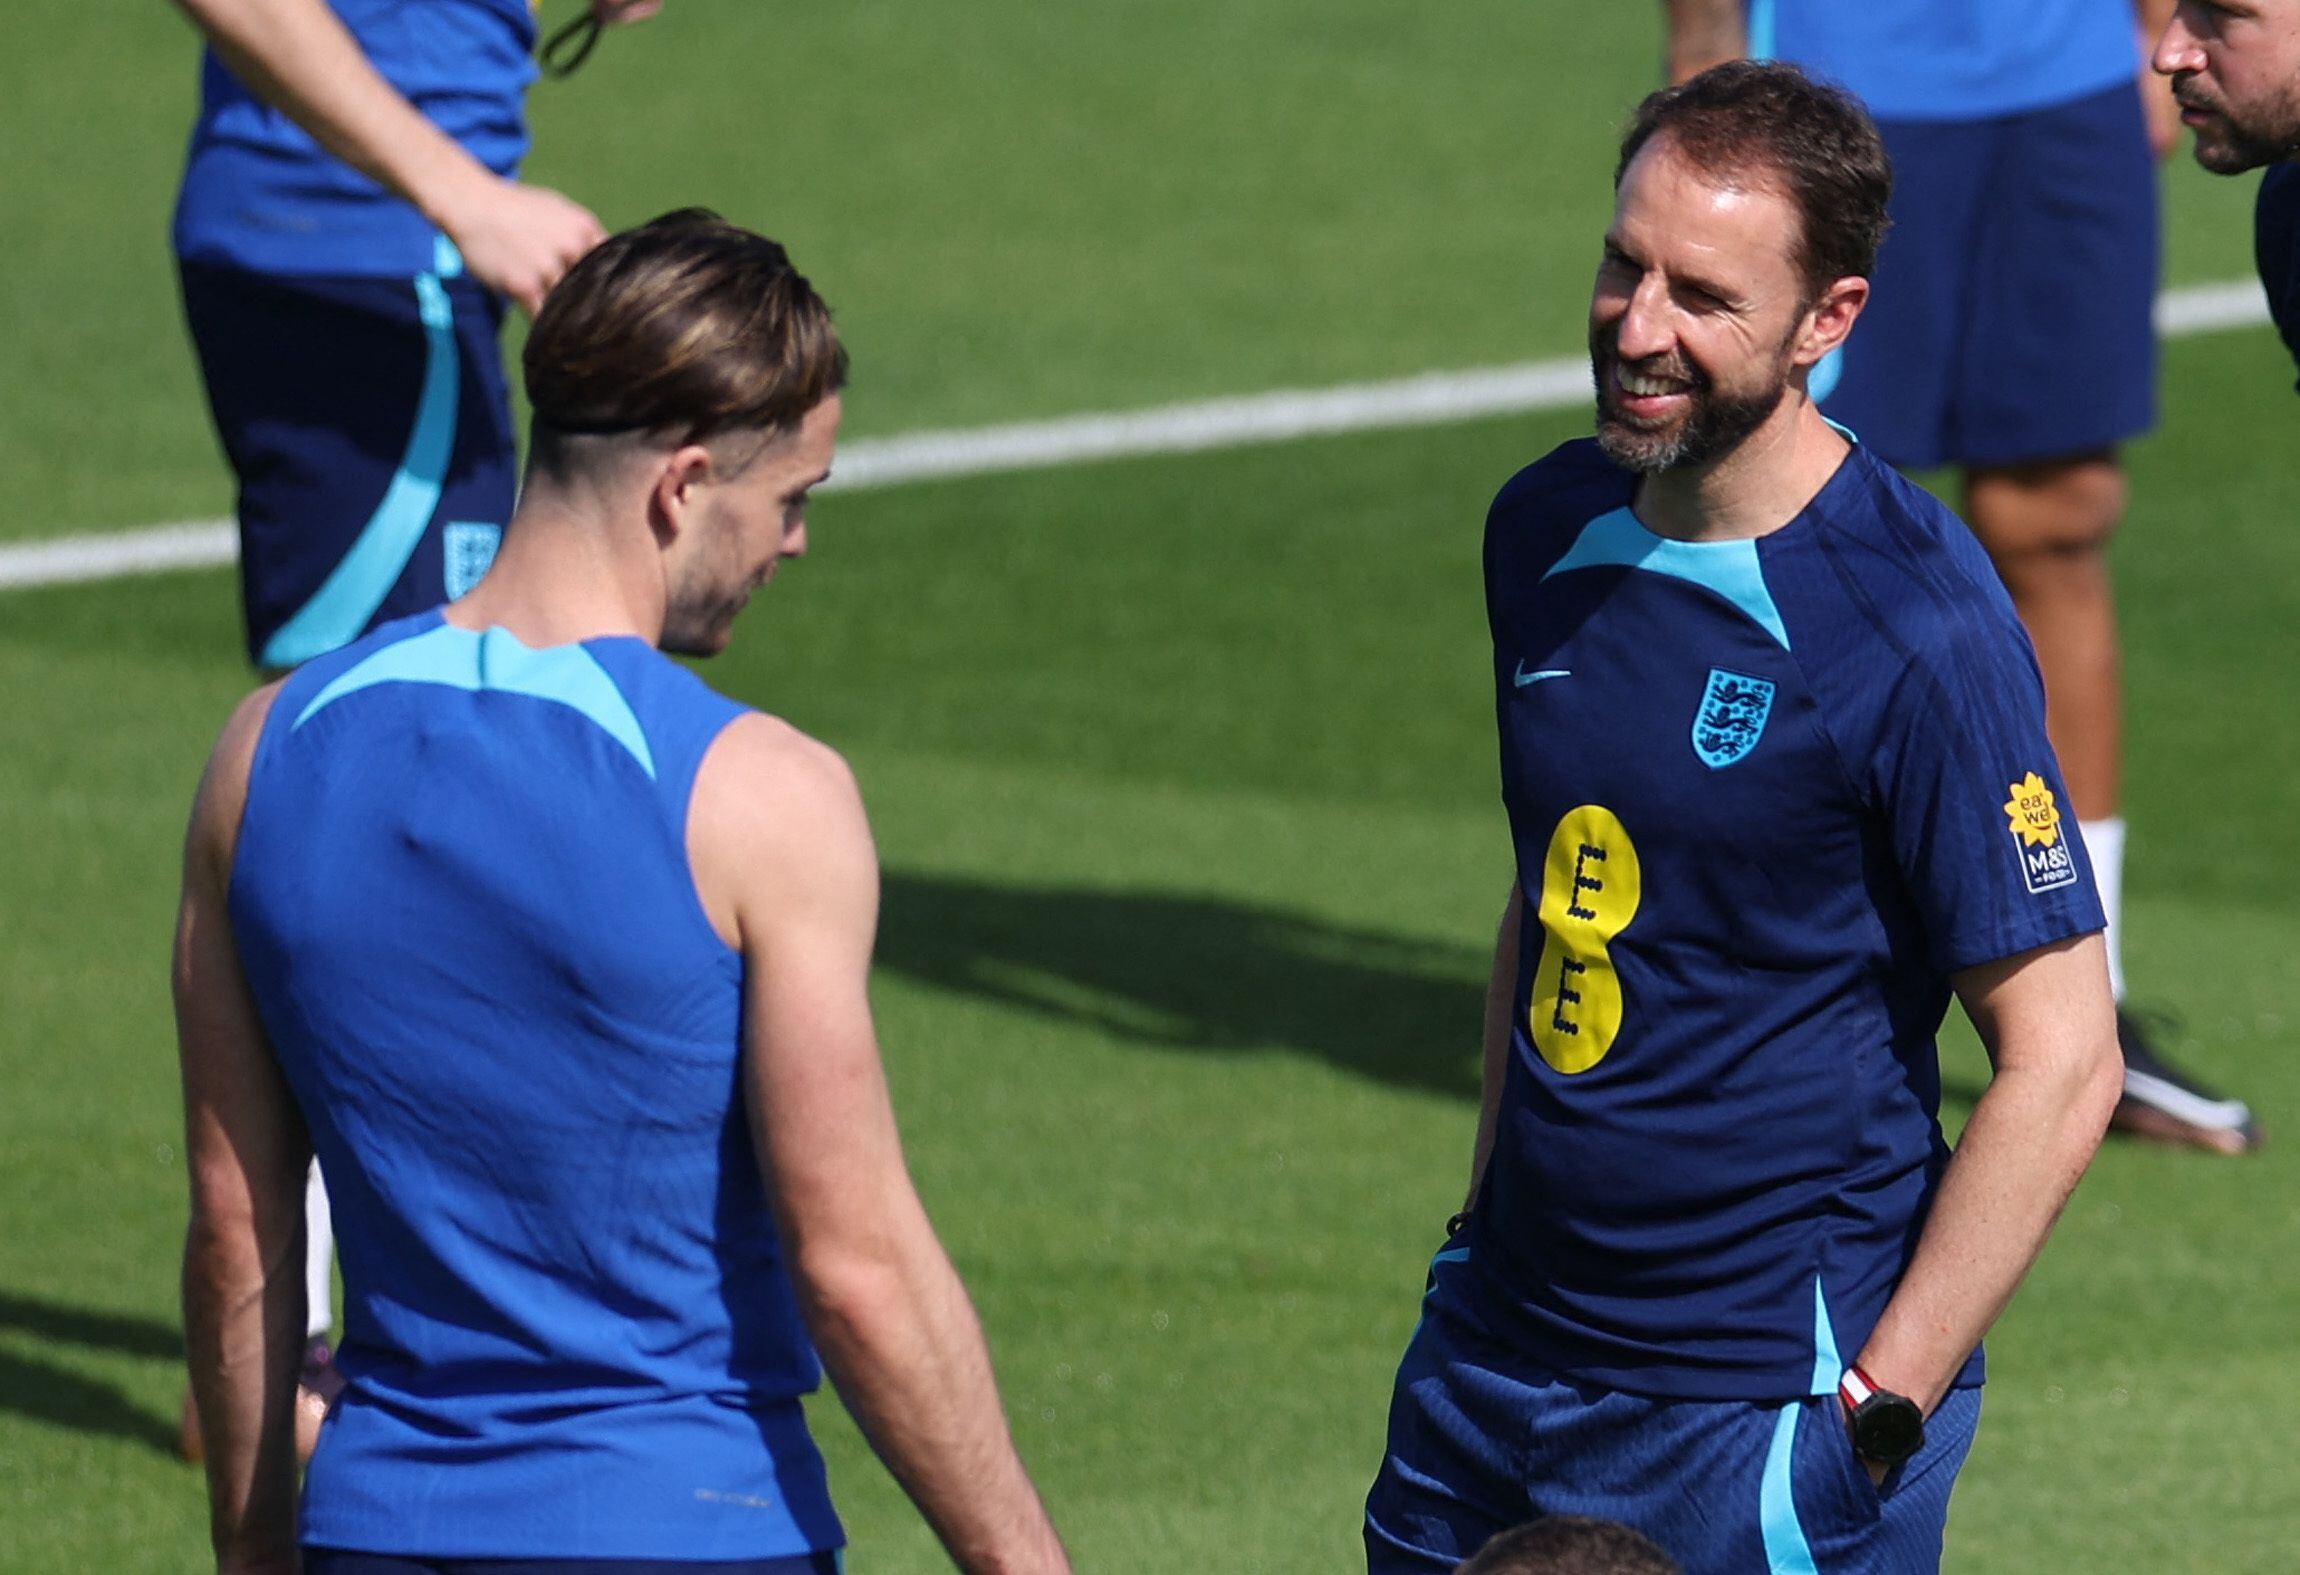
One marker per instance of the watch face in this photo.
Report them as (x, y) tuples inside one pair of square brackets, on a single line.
[(1888, 1428)]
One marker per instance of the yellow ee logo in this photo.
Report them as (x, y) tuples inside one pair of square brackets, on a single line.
[(2034, 813), (1590, 884)]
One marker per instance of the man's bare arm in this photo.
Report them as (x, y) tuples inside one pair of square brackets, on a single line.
[(783, 850), (298, 57), (1704, 33), (246, 1149), (2050, 1027), (1500, 1008), (2152, 17)]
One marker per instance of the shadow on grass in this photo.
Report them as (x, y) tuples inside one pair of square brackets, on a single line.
[(47, 1393), (1197, 973)]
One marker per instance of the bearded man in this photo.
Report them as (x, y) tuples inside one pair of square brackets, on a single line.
[(1774, 758)]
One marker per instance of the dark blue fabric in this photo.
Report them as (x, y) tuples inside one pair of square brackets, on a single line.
[(2276, 248), (468, 922), (1481, 1440), (315, 385), (260, 193), (1954, 59), (2010, 315), (338, 1561), (1718, 1136)]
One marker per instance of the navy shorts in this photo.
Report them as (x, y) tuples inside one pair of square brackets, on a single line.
[(338, 1561), (1481, 1440), (369, 428), (2010, 319)]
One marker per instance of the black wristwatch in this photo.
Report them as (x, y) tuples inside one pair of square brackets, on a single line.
[(1887, 1428)]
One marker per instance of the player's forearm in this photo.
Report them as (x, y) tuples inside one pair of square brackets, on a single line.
[(900, 1338), (243, 1329), (1704, 33), (1500, 1008), (2028, 1142), (298, 57)]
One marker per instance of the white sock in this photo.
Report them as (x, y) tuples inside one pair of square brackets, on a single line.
[(318, 1257), (2104, 840)]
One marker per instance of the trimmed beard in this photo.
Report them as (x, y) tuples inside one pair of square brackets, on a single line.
[(2232, 144), (1716, 424)]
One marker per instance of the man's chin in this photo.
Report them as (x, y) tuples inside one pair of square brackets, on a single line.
[(1645, 450)]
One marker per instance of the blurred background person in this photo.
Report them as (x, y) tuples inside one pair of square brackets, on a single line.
[(349, 225), (2011, 335)]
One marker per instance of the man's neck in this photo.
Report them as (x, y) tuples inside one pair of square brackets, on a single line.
[(567, 572), (1761, 485)]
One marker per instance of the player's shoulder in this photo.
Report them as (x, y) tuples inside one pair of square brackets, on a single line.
[(1897, 563), (1550, 500), (222, 796), (762, 771), (776, 826)]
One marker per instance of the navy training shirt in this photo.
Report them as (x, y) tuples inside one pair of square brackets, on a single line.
[(467, 918), (1765, 796), (2276, 248)]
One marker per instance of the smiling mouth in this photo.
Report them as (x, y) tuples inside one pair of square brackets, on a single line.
[(1644, 385)]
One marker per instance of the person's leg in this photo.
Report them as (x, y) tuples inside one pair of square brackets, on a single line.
[(2068, 263), (1448, 1479), (2047, 526), (367, 424)]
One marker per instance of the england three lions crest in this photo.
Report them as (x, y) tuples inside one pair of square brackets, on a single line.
[(1731, 718)]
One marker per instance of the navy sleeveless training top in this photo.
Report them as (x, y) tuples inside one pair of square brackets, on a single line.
[(463, 901)]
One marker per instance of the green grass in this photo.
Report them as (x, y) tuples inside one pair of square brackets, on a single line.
[(1181, 769), (1016, 211), (1183, 784)]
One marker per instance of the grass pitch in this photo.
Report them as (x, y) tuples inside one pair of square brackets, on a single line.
[(1181, 769)]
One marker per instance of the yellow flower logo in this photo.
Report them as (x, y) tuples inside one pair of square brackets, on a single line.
[(2035, 816)]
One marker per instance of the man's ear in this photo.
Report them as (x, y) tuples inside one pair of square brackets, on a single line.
[(1830, 319), (671, 501)]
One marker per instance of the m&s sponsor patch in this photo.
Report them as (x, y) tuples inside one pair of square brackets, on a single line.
[(2046, 864)]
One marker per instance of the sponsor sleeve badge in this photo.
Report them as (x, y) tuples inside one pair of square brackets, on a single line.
[(2046, 864)]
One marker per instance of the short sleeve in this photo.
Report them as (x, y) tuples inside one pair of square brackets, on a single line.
[(1974, 805), (2276, 248)]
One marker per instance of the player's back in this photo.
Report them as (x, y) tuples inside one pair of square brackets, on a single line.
[(464, 903)]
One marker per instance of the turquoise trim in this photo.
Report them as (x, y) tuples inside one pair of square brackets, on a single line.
[(1725, 568), (1786, 1550), (1826, 373), (446, 260), (1827, 1367), (1449, 1255), (495, 660), (1764, 29), (345, 602)]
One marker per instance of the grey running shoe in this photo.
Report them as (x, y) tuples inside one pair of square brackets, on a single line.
[(2163, 1104)]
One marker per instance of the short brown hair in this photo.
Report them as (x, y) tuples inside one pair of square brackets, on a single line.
[(1766, 121), (687, 326), (1569, 1545)]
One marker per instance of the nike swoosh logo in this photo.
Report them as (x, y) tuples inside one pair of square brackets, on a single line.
[(1523, 677)]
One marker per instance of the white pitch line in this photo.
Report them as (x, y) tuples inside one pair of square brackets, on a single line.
[(1282, 415)]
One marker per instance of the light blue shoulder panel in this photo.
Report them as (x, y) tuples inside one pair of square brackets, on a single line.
[(1729, 569), (473, 660)]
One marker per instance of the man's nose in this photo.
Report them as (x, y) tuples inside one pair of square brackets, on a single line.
[(2177, 48), (1645, 330)]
